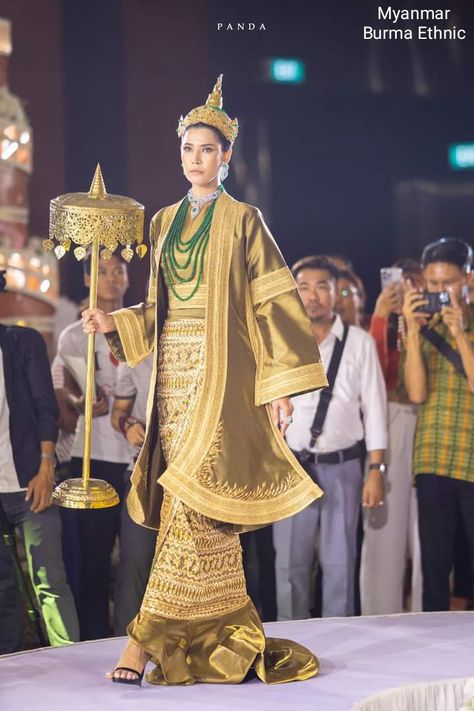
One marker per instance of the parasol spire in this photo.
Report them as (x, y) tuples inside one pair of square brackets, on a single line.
[(97, 189)]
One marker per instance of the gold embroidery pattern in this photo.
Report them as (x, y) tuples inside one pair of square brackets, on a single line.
[(267, 490), (261, 493), (131, 336), (198, 569), (197, 302), (271, 285), (306, 377), (180, 375)]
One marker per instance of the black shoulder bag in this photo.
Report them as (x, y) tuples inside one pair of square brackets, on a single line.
[(444, 348), (326, 396)]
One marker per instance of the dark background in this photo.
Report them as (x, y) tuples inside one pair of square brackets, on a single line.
[(353, 161)]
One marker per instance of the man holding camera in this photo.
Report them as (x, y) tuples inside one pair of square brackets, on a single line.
[(439, 375)]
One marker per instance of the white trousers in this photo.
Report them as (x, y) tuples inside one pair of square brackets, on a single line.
[(391, 531)]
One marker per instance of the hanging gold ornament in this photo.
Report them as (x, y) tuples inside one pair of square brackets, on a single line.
[(101, 221), (141, 250), (48, 245), (80, 253), (105, 254), (127, 253)]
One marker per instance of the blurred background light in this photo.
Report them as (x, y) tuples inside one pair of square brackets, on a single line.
[(286, 71), (461, 156)]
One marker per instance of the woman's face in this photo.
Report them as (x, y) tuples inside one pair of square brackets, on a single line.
[(202, 156)]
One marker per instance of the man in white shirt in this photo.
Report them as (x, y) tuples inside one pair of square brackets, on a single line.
[(356, 411), (90, 535)]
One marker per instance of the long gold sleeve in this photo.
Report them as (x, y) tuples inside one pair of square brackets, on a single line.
[(134, 338), (288, 360)]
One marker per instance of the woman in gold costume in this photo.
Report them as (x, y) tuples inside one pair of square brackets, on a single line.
[(232, 344)]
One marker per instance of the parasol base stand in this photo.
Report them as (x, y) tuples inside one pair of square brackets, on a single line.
[(98, 494)]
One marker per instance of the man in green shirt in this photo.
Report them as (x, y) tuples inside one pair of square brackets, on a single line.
[(439, 375)]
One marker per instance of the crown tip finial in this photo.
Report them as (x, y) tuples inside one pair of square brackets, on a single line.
[(215, 97), (97, 189)]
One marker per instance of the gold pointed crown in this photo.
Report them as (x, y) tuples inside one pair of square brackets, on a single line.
[(213, 114)]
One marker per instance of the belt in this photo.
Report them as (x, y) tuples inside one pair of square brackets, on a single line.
[(342, 455)]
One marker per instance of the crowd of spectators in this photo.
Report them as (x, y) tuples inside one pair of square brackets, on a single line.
[(391, 443)]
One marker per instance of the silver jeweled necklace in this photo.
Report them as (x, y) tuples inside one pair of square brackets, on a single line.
[(198, 202)]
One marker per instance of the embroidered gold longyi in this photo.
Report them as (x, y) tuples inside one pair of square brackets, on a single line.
[(197, 570), (180, 375)]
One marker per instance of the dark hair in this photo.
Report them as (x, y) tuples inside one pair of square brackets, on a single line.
[(225, 143), (3, 281), (450, 250), (315, 262), (408, 265), (86, 262), (342, 258), (349, 276)]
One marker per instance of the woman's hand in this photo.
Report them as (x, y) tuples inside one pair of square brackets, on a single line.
[(411, 301), (282, 410), (388, 302), (96, 321)]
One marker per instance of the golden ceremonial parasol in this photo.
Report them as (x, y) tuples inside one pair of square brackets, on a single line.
[(102, 222)]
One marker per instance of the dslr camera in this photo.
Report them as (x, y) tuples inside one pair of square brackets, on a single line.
[(436, 300)]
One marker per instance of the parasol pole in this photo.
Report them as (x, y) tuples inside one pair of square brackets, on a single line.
[(86, 460)]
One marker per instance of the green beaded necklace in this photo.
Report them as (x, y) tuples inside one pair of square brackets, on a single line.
[(181, 255)]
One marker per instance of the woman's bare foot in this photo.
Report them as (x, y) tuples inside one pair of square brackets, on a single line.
[(133, 657)]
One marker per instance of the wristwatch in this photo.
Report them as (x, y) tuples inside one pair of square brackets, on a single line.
[(378, 467)]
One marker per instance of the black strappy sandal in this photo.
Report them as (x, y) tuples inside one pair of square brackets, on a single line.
[(123, 680)]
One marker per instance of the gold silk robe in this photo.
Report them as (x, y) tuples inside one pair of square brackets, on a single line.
[(234, 465)]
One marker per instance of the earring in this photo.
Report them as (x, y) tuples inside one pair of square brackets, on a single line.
[(224, 171)]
